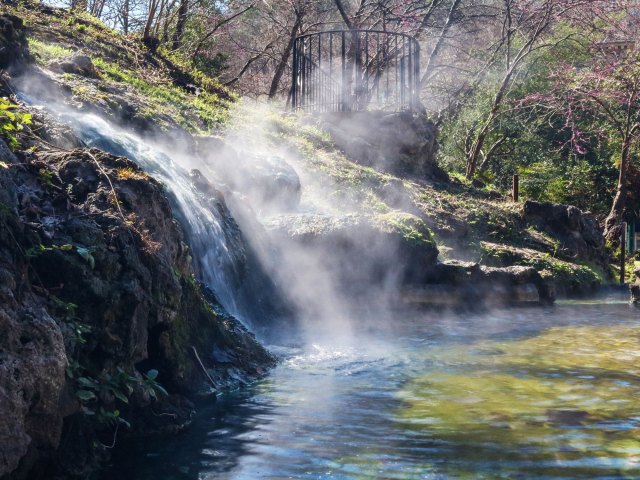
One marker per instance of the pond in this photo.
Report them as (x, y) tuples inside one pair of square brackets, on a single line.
[(545, 393)]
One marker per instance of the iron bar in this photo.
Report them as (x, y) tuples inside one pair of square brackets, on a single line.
[(374, 69)]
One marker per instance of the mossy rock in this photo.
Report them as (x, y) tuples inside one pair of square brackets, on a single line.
[(569, 279), (412, 229)]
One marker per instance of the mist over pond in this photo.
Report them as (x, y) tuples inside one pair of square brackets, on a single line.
[(546, 393)]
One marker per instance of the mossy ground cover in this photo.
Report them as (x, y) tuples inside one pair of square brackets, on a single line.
[(576, 277), (468, 223), (163, 84)]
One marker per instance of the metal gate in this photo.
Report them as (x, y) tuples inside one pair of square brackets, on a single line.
[(353, 70)]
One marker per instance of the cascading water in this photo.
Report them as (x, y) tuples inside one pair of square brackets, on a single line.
[(216, 252)]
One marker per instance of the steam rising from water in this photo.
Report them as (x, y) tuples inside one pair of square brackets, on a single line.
[(306, 276)]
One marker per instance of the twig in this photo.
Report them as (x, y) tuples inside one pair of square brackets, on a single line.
[(102, 171), (204, 370), (115, 435), (113, 189)]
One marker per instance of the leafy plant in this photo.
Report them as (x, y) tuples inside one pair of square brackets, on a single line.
[(84, 252), (150, 385), (99, 396), (12, 120), (46, 177)]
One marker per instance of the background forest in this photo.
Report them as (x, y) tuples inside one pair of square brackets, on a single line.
[(544, 88)]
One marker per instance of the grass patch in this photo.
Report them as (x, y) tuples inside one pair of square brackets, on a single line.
[(197, 113), (45, 52)]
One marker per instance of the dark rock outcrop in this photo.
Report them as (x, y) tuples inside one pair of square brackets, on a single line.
[(401, 143), (77, 64), (468, 285), (97, 283), (32, 352), (13, 41), (254, 289), (578, 233)]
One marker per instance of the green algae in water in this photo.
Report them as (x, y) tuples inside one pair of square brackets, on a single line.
[(569, 397)]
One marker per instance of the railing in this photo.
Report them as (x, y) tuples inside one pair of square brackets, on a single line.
[(353, 70)]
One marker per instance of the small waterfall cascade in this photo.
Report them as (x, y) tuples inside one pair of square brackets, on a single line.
[(272, 258), (217, 255)]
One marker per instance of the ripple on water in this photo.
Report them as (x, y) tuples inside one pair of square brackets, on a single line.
[(547, 394)]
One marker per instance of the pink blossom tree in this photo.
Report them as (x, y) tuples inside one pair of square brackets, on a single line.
[(608, 91)]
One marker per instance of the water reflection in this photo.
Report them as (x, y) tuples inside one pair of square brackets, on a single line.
[(544, 393)]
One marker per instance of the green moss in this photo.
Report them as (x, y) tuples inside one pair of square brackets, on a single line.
[(494, 256), (87, 93), (412, 229), (575, 277)]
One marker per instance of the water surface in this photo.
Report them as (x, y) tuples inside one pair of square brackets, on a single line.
[(526, 393)]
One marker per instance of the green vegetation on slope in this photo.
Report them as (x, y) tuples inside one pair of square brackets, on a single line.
[(159, 86)]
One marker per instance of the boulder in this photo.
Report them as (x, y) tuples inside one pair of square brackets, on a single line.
[(402, 143), (469, 286), (268, 181), (359, 254), (578, 233), (77, 64)]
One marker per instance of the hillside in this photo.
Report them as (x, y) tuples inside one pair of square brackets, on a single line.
[(151, 92)]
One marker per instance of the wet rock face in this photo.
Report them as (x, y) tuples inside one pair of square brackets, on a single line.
[(32, 354), (401, 143), (122, 271), (578, 233), (88, 242)]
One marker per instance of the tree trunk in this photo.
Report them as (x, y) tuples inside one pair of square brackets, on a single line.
[(79, 5), (277, 76), (440, 42), (182, 19), (614, 220), (343, 14), (146, 35), (476, 148), (125, 17)]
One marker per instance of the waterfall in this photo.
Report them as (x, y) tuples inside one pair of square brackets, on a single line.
[(286, 262), (217, 257)]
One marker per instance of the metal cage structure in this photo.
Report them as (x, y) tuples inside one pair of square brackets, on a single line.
[(355, 70)]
